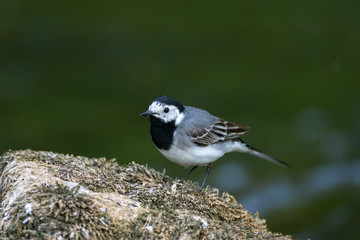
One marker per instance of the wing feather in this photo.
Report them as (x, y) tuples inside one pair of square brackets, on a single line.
[(219, 131)]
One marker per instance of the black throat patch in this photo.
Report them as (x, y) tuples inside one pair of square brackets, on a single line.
[(162, 133)]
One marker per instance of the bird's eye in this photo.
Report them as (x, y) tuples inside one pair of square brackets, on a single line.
[(166, 110)]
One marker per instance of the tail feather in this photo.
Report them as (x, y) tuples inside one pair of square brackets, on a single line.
[(259, 154)]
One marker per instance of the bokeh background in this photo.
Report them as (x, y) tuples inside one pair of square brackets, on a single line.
[(74, 77)]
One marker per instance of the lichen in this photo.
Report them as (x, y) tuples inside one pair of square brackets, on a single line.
[(46, 195)]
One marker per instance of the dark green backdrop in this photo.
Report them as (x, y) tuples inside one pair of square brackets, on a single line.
[(74, 76)]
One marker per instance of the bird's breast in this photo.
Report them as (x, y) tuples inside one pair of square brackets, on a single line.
[(162, 134), (192, 156)]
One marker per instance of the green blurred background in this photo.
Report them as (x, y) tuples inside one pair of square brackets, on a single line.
[(74, 77)]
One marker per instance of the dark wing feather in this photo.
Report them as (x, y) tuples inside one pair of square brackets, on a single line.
[(220, 131)]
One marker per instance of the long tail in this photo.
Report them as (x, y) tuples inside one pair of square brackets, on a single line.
[(259, 154)]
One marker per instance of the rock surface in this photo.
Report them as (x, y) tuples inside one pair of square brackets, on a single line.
[(46, 195)]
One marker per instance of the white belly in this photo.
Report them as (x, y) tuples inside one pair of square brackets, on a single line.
[(193, 156)]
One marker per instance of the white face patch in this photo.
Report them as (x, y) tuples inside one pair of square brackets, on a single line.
[(179, 119), (166, 112)]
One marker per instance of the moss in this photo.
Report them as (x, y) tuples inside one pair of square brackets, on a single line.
[(62, 211), (82, 198)]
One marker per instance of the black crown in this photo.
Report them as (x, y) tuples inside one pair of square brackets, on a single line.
[(170, 101)]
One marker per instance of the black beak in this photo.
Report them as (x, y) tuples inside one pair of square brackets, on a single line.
[(147, 113)]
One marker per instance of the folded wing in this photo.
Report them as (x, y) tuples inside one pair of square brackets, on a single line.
[(219, 131)]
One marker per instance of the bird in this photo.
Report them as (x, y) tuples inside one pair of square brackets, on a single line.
[(192, 137)]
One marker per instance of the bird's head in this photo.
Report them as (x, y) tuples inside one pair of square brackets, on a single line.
[(165, 109)]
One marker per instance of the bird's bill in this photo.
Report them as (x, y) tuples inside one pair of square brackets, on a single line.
[(147, 113)]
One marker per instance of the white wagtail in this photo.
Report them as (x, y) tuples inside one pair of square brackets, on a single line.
[(191, 136)]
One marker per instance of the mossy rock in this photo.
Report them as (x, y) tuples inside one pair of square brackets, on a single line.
[(46, 195)]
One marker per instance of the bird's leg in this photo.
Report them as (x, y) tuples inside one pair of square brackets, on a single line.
[(192, 169), (209, 166)]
